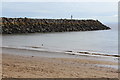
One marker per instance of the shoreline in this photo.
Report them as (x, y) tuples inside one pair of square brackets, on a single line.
[(71, 52), (18, 66), (51, 53)]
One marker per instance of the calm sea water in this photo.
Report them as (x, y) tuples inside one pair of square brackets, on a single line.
[(104, 41)]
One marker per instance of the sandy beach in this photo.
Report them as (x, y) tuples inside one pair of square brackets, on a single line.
[(17, 66), (0, 65)]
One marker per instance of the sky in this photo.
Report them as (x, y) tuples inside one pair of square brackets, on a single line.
[(60, 0), (103, 11)]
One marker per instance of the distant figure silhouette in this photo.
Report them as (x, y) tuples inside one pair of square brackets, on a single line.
[(42, 44), (71, 16)]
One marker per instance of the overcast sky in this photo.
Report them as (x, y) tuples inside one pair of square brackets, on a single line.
[(103, 11)]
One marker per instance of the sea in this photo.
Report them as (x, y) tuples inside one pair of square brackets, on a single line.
[(100, 41)]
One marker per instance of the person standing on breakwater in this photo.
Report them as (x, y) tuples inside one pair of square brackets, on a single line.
[(71, 16)]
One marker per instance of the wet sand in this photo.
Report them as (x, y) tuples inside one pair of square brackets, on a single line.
[(18, 66)]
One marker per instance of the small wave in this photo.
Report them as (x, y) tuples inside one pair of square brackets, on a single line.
[(32, 48), (92, 54)]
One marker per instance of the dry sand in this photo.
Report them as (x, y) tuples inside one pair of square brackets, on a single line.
[(15, 66), (0, 66)]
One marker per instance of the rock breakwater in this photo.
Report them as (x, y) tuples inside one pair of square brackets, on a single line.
[(28, 25)]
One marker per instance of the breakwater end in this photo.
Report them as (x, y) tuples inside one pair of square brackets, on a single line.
[(29, 25)]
